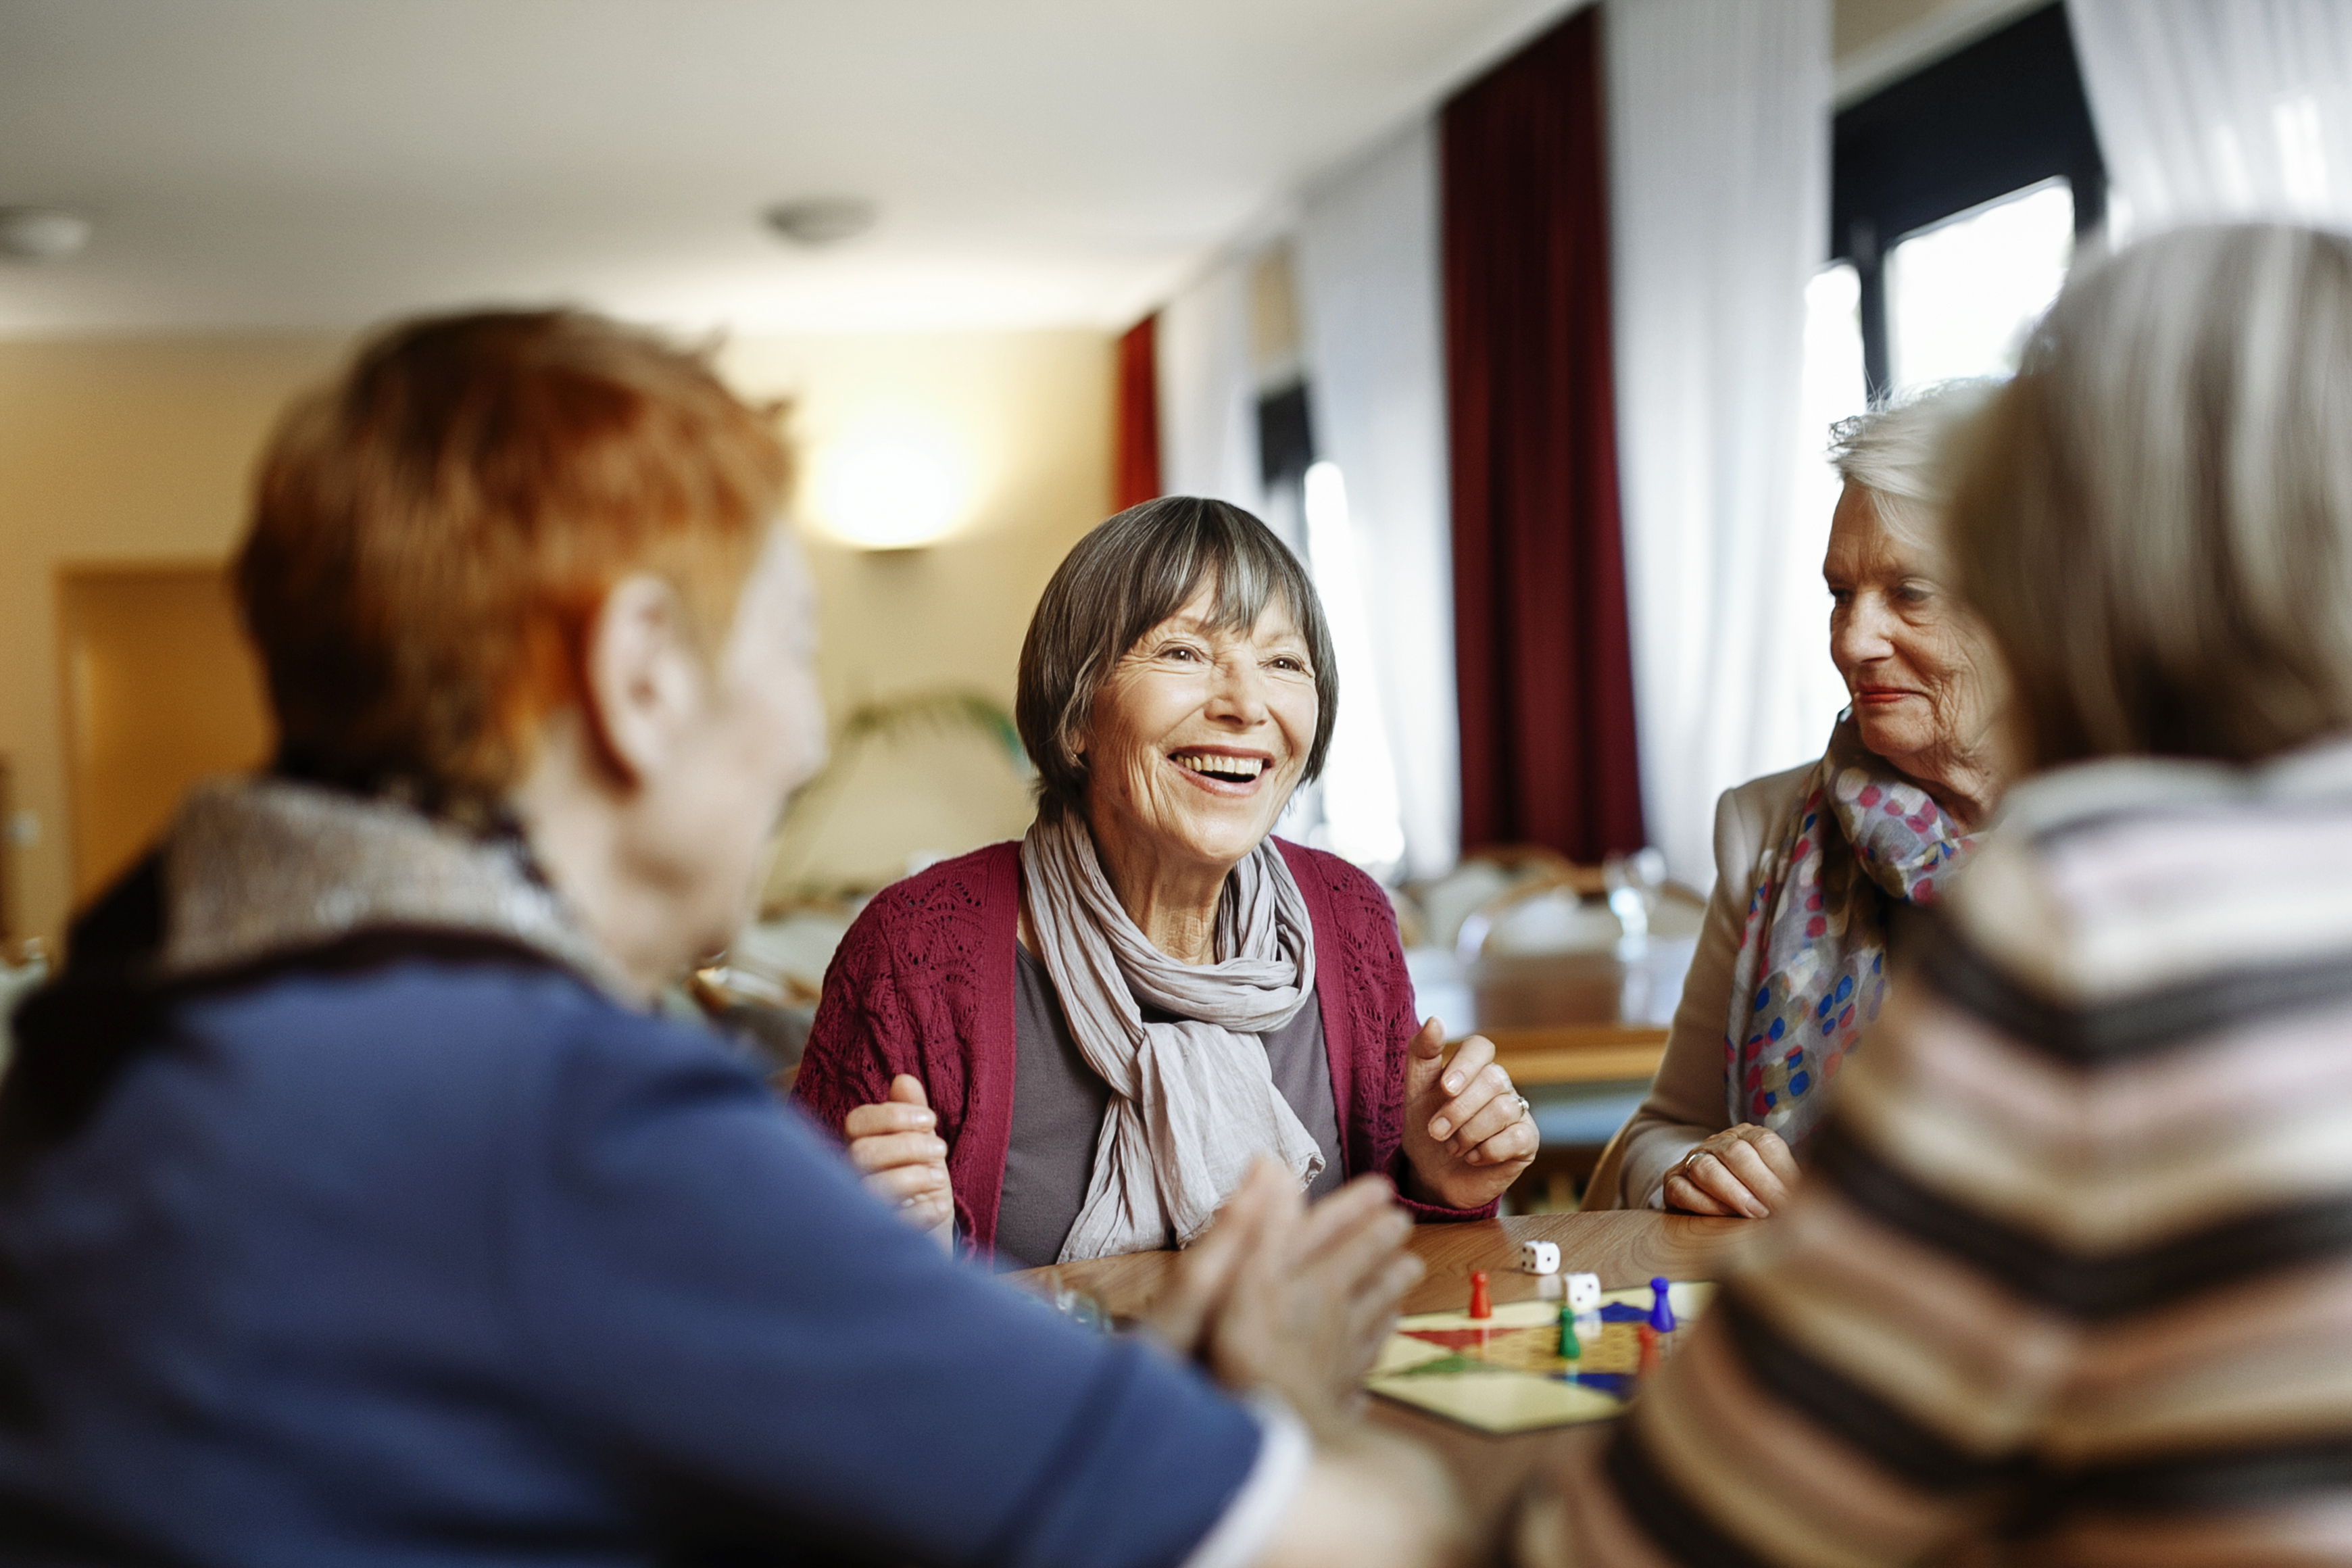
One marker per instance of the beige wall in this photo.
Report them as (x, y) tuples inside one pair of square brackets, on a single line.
[(1026, 417), (129, 452), (1858, 23), (1879, 42), (111, 451)]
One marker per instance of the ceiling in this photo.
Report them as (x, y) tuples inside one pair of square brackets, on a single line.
[(276, 164)]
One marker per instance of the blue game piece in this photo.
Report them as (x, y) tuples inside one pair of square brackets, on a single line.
[(1662, 1310)]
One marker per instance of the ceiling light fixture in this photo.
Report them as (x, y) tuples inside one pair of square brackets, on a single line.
[(42, 233), (816, 222)]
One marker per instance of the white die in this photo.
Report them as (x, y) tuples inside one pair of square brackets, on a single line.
[(1539, 1257), (1584, 1292)]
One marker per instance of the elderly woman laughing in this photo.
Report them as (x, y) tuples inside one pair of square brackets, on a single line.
[(1076, 1045)]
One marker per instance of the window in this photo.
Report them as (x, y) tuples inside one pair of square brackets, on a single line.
[(1962, 295), (1359, 795), (1956, 196), (1834, 389), (1286, 450), (1352, 810)]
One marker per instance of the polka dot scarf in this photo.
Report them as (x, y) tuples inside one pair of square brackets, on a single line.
[(1810, 972)]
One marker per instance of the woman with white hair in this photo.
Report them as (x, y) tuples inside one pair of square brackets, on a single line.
[(1818, 869)]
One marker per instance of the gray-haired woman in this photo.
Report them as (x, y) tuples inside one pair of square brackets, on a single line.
[(1818, 868), (1076, 1045)]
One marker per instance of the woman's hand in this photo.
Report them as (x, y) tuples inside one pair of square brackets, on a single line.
[(1745, 1171), (1467, 1134), (904, 1162), (1277, 1295)]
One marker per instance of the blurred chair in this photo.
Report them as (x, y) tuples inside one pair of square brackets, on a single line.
[(770, 1019), (1550, 952), (1600, 1187), (911, 780), (1481, 876), (1574, 910), (765, 988), (1574, 974)]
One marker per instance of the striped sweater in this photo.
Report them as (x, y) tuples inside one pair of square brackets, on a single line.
[(2070, 1276)]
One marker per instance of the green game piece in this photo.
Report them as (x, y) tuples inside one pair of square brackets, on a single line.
[(1569, 1349)]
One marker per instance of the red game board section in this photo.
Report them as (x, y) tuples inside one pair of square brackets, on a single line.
[(1455, 1338)]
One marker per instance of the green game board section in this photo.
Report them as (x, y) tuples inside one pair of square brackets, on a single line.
[(1446, 1367)]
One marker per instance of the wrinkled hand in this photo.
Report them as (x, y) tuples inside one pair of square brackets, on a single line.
[(1745, 1171), (904, 1162), (1466, 1135), (1280, 1296)]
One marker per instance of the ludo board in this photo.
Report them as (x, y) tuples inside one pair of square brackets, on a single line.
[(1505, 1374)]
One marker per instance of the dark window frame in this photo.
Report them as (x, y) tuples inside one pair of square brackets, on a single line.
[(1285, 436), (2006, 112)]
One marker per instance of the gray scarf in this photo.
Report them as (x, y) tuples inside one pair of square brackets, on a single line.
[(257, 866), (1193, 1101)]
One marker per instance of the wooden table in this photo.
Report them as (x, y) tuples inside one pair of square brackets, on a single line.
[(1626, 1248)]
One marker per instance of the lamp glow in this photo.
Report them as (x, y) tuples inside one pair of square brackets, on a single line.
[(895, 488)]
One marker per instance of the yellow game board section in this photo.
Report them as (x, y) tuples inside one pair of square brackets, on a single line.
[(1509, 1379), (1502, 1402)]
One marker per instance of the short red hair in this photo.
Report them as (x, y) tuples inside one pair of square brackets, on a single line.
[(432, 535)]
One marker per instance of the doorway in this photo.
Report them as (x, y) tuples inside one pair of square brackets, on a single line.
[(160, 688)]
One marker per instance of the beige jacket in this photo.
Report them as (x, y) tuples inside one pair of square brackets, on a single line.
[(1686, 1101)]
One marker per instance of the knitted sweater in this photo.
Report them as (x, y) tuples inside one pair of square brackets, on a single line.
[(923, 984)]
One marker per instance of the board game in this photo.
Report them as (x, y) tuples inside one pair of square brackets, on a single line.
[(1505, 1374)]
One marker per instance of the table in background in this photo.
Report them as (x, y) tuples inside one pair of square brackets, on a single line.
[(1625, 1247)]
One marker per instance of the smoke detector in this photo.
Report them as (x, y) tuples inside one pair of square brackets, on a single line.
[(42, 233), (815, 222)]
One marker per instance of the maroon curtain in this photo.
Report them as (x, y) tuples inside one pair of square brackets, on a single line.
[(1544, 662), (1134, 445)]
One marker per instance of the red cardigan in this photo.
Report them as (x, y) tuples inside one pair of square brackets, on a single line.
[(923, 984)]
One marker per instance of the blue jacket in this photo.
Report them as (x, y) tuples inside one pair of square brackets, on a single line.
[(420, 1249)]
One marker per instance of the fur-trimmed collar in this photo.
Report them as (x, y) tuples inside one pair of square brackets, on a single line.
[(256, 867)]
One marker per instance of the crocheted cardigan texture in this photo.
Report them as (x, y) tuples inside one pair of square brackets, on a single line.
[(923, 984)]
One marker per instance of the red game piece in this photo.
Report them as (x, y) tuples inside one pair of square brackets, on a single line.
[(1647, 1337), (1480, 1307)]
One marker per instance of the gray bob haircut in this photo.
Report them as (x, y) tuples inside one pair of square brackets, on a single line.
[(1902, 454), (2155, 521), (1125, 577)]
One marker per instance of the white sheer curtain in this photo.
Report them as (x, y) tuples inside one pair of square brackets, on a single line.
[(1719, 166), (2220, 109), (1208, 390), (1367, 254)]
